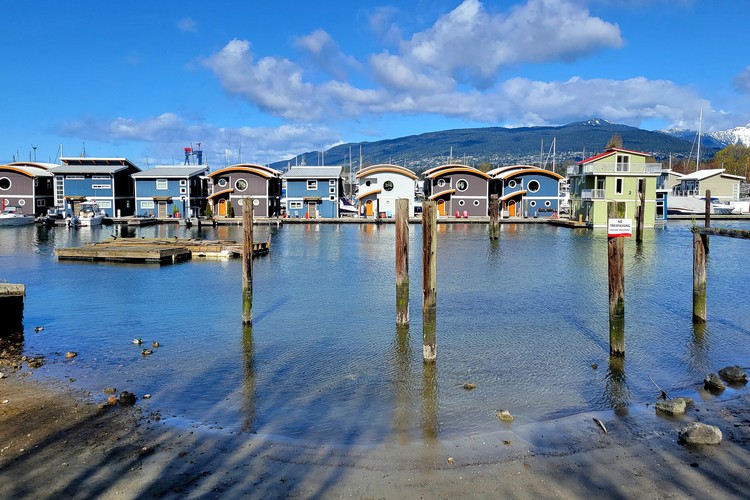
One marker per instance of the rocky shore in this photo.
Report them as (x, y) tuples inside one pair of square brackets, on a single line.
[(55, 443)]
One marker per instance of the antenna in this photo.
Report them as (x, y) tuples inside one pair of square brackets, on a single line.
[(33, 146)]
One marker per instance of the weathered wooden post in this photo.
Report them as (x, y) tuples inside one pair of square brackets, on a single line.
[(429, 281), (494, 224), (641, 213), (707, 222), (699, 276), (247, 261), (402, 261), (615, 252), (11, 308)]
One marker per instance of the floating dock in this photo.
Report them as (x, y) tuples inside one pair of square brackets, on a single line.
[(157, 251)]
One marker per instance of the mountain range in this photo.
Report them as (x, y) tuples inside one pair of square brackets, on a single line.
[(522, 145)]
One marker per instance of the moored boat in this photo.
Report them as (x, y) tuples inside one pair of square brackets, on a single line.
[(89, 214), (10, 216)]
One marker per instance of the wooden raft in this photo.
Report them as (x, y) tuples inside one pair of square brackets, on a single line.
[(156, 251)]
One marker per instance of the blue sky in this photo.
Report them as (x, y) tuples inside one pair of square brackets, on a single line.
[(262, 81)]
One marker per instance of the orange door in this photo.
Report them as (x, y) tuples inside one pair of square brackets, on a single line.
[(441, 207), (222, 208), (368, 208), (512, 209)]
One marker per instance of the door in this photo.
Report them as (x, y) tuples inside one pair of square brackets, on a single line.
[(311, 210), (441, 206), (222, 212), (511, 209), (368, 208)]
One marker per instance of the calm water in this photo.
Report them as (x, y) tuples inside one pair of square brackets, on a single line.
[(524, 319)]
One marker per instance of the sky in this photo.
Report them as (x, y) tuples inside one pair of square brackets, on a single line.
[(259, 81)]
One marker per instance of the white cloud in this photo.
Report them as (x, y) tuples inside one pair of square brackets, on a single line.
[(187, 24), (327, 54), (742, 81), (382, 24)]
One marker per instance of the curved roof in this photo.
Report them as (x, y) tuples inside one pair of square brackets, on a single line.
[(28, 171), (385, 167), (456, 168), (248, 167), (37, 164), (495, 171), (514, 193), (219, 193), (442, 193), (530, 170), (368, 193), (432, 170)]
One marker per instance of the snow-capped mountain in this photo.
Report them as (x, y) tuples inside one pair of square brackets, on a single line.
[(720, 139)]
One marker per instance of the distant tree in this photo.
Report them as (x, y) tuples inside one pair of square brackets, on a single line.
[(230, 209), (209, 211), (485, 166), (735, 158), (615, 141)]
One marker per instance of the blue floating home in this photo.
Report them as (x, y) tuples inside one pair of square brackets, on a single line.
[(526, 191), (164, 191), (313, 192), (106, 181)]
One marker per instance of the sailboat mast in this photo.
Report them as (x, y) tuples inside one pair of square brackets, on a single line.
[(698, 154)]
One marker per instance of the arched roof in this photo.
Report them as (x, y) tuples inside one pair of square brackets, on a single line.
[(219, 193), (456, 168), (442, 193), (248, 167), (498, 170), (530, 170), (513, 194), (386, 168), (36, 164), (432, 170), (368, 193), (27, 170)]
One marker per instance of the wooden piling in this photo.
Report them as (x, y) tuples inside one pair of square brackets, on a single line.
[(707, 219), (402, 261), (699, 277), (616, 267), (247, 261), (641, 214), (429, 281), (494, 224)]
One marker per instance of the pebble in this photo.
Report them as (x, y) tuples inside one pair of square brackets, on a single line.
[(147, 396), (71, 354), (2, 375), (504, 415), (110, 390), (469, 386)]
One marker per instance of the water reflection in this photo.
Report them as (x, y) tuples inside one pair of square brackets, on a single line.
[(248, 379), (616, 391), (402, 385), (429, 403), (698, 349)]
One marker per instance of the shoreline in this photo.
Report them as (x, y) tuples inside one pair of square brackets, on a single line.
[(57, 442)]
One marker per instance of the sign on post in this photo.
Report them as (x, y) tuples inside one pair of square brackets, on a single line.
[(619, 228)]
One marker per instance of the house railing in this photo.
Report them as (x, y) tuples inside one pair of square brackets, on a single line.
[(592, 194), (613, 167)]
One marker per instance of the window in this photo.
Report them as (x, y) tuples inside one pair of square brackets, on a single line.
[(547, 203), (39, 203), (162, 184), (183, 182), (331, 198), (462, 185), (5, 183), (100, 177), (183, 190), (618, 186), (102, 186), (388, 186), (295, 204), (21, 203), (533, 186), (532, 203), (312, 185), (512, 184), (74, 177), (331, 190), (332, 182), (256, 202), (147, 205), (240, 185), (222, 182), (441, 182), (368, 182), (476, 203), (461, 203), (36, 181), (623, 163)]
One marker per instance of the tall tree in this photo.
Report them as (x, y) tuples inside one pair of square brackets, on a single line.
[(735, 158), (615, 141)]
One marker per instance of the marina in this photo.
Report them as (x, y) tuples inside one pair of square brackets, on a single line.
[(325, 362)]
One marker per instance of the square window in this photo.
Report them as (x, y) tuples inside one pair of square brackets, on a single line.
[(183, 190), (183, 182), (162, 184), (331, 190), (332, 182), (312, 185), (331, 198)]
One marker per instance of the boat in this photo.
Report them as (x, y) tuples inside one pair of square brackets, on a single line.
[(10, 216), (347, 208), (89, 214)]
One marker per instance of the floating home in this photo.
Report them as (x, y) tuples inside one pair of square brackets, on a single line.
[(524, 190), (458, 189), (381, 185), (164, 191), (616, 175), (106, 181), (313, 192), (27, 186), (230, 185)]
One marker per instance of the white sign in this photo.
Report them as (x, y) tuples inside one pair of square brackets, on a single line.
[(619, 228)]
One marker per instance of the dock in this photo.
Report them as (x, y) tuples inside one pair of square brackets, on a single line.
[(157, 250)]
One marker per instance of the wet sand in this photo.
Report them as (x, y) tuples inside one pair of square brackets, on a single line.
[(57, 443)]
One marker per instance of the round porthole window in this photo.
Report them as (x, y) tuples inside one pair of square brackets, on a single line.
[(368, 183), (533, 203), (533, 186), (461, 203), (240, 185), (4, 183), (512, 184), (388, 186), (476, 203), (547, 203), (222, 182), (256, 202), (441, 182), (462, 185), (21, 203)]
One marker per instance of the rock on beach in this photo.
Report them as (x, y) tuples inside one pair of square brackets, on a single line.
[(698, 433)]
